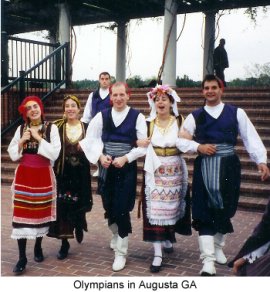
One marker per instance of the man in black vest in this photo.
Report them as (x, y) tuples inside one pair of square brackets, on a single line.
[(212, 131), (110, 139), (99, 99)]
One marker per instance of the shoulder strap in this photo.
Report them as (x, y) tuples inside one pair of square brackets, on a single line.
[(150, 128), (59, 122), (49, 126), (180, 120), (21, 130)]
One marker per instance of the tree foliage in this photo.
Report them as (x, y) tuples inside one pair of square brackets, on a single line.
[(185, 81), (85, 84), (252, 12), (258, 76)]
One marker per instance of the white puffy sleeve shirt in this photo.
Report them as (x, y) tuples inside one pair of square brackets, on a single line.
[(87, 113), (247, 132), (49, 150), (92, 144)]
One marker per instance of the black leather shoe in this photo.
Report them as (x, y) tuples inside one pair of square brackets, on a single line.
[(205, 274), (79, 234), (155, 269), (38, 255), (168, 249), (20, 266), (63, 252)]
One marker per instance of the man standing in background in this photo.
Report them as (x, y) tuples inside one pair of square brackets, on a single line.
[(99, 99), (220, 60)]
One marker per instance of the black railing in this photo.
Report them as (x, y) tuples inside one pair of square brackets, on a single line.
[(23, 54), (41, 80)]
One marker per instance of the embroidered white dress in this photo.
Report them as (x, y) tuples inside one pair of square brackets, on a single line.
[(166, 180)]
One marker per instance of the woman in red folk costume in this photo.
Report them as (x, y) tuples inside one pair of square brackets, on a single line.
[(36, 144)]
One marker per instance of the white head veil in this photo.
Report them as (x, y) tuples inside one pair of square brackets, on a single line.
[(162, 89)]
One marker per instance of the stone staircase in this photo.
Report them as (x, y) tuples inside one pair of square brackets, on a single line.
[(256, 102)]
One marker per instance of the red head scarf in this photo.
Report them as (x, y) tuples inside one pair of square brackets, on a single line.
[(22, 108)]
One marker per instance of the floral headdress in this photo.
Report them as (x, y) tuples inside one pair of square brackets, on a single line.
[(160, 90)]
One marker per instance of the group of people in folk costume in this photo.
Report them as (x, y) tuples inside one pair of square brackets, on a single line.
[(52, 185)]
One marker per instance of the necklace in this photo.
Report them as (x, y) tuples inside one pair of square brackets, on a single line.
[(73, 132), (164, 128), (35, 123)]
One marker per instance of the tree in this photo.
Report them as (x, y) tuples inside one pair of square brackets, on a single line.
[(186, 82), (258, 76), (135, 82)]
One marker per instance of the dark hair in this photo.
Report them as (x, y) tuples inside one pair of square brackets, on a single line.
[(169, 96), (72, 97), (117, 84), (104, 73), (212, 77), (222, 41)]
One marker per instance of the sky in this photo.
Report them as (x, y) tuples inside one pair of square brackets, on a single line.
[(247, 44)]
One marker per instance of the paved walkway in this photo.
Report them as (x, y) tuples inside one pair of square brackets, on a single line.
[(93, 256)]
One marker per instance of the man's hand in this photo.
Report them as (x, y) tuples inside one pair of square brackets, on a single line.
[(264, 170), (105, 160), (207, 149), (119, 162), (237, 264)]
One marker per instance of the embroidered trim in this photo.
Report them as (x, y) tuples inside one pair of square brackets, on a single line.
[(169, 205)]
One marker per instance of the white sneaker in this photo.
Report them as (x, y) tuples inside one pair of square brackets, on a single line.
[(119, 263)]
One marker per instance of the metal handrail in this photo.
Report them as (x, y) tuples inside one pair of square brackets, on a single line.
[(6, 88), (59, 74)]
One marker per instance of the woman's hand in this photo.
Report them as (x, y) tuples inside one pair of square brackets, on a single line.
[(35, 134), (25, 137)]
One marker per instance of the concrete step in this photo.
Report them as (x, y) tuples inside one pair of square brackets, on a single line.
[(252, 203)]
